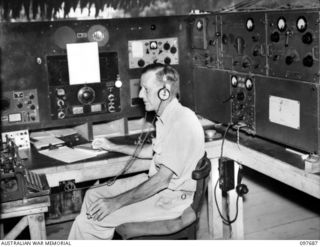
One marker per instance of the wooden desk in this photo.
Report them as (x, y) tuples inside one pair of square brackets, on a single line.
[(287, 173), (32, 211), (280, 170)]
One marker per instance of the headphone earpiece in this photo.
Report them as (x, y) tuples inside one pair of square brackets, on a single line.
[(164, 93)]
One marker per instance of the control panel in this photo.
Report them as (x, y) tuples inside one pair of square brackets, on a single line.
[(204, 41), (242, 42), (144, 52), (20, 138), (82, 98), (19, 107), (293, 45), (85, 70), (272, 62), (243, 101)]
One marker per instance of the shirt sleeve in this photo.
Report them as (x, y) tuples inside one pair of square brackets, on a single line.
[(176, 145)]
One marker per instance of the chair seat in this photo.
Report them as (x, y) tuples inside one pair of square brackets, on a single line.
[(163, 227)]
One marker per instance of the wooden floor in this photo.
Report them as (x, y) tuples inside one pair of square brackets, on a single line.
[(272, 211)]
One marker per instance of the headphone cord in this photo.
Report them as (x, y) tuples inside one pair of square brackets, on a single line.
[(132, 159), (137, 150)]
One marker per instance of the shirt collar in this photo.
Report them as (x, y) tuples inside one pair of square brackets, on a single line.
[(169, 110)]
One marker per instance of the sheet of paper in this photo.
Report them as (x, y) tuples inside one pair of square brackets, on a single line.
[(88, 148), (46, 142), (68, 155), (83, 63), (284, 111), (40, 135), (62, 132), (137, 49)]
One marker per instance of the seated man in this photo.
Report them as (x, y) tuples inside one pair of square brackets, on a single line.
[(168, 189)]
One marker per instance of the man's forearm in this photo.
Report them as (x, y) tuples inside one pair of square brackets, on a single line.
[(145, 152), (143, 191)]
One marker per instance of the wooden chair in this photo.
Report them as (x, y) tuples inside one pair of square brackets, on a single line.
[(183, 227)]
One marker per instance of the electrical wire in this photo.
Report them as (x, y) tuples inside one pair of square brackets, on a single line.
[(132, 159), (226, 221), (224, 137)]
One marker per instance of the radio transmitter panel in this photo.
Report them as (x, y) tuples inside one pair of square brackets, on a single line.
[(270, 62), (64, 73), (144, 52), (83, 99)]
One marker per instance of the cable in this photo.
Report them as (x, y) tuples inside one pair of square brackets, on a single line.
[(223, 139), (136, 152), (226, 221), (132, 159)]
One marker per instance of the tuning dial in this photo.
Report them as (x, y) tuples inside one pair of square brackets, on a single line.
[(141, 63), (308, 61), (86, 95)]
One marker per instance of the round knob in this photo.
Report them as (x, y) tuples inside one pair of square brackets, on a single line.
[(166, 46), (31, 96), (32, 107), (19, 105), (61, 115), (141, 63), (275, 37), (111, 97), (86, 95), (290, 59), (33, 118), (307, 38), (240, 96), (173, 50), (111, 108), (167, 60), (60, 102), (308, 61), (255, 52)]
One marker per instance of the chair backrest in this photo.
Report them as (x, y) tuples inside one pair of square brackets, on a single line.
[(201, 175)]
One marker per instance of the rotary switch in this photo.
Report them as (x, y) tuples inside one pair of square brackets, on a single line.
[(86, 95)]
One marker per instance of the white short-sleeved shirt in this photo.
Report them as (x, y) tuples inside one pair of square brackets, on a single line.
[(179, 145)]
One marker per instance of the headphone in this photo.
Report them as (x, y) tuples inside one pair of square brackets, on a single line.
[(164, 93)]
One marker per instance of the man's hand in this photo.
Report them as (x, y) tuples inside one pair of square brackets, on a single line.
[(102, 143), (102, 207)]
